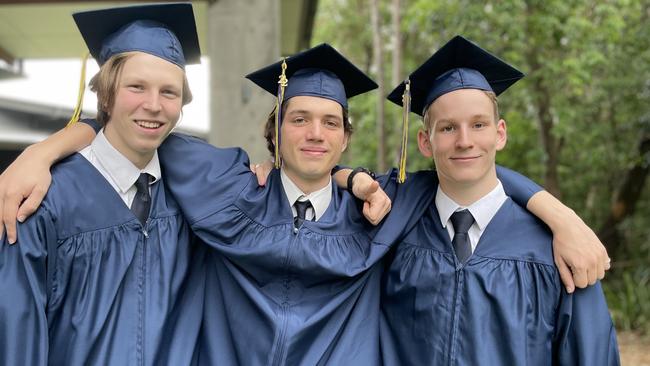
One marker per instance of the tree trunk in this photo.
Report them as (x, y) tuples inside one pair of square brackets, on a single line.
[(626, 198), (542, 102), (397, 43), (378, 64)]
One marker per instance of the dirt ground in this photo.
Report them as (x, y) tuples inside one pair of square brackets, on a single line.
[(635, 350)]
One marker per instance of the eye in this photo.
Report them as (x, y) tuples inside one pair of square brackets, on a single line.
[(299, 120), (332, 123), (169, 93), (447, 128), (135, 87), (479, 125)]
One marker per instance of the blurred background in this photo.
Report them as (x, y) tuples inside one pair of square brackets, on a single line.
[(579, 123)]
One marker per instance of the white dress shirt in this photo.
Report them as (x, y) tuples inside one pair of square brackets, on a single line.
[(119, 171), (319, 199), (483, 211)]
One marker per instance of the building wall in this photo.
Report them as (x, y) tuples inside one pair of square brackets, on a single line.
[(243, 36)]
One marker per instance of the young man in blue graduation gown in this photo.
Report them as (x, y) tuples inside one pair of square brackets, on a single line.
[(474, 283), (102, 271)]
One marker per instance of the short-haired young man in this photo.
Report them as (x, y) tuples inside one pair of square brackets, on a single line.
[(474, 282)]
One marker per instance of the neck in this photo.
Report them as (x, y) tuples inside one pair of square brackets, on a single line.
[(467, 193), (308, 186)]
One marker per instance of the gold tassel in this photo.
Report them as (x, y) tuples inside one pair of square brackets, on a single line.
[(406, 103), (76, 115), (282, 84)]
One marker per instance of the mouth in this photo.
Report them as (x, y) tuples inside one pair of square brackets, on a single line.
[(464, 158), (314, 151), (148, 124)]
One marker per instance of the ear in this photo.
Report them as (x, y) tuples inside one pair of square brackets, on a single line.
[(502, 134), (345, 142), (424, 143)]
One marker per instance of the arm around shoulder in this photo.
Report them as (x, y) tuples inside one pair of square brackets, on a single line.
[(25, 182)]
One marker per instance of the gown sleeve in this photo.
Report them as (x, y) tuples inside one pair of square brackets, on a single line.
[(519, 187), (24, 288), (92, 123), (585, 334), (203, 179)]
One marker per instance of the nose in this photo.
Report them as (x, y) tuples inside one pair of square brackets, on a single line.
[(314, 131), (464, 138), (152, 102)]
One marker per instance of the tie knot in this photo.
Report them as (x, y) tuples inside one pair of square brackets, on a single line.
[(301, 208), (462, 221), (143, 182)]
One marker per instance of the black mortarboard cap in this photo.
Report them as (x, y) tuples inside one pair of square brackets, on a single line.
[(320, 71), (459, 64), (165, 30)]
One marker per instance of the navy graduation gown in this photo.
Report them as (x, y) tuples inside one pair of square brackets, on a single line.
[(88, 284), (505, 306)]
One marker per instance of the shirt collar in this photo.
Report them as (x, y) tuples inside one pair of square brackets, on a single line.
[(121, 170), (319, 199), (483, 210)]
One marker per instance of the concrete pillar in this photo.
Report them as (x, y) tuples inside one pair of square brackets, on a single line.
[(243, 35)]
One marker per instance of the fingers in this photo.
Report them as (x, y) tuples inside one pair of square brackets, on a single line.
[(376, 207), (262, 172), (565, 275), (592, 275), (608, 264), (31, 204), (600, 273), (369, 213), (10, 208), (364, 186), (373, 187), (580, 277), (375, 213)]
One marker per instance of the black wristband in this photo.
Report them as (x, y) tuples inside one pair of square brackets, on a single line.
[(354, 172)]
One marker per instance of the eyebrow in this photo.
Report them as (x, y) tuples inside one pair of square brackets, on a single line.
[(304, 111), (449, 120), (298, 111), (480, 116)]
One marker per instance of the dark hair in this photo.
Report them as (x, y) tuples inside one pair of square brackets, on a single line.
[(269, 127)]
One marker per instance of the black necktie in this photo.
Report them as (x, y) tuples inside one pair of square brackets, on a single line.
[(301, 210), (142, 200), (462, 221)]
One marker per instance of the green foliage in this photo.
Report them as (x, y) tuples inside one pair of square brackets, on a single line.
[(628, 297)]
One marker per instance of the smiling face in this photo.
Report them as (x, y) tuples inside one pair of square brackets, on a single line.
[(463, 137), (147, 105), (312, 140)]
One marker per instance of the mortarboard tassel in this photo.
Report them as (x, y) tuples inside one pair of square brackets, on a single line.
[(282, 84), (76, 115), (406, 102)]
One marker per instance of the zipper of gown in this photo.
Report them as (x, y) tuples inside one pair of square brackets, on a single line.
[(141, 294), (455, 314), (281, 342)]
